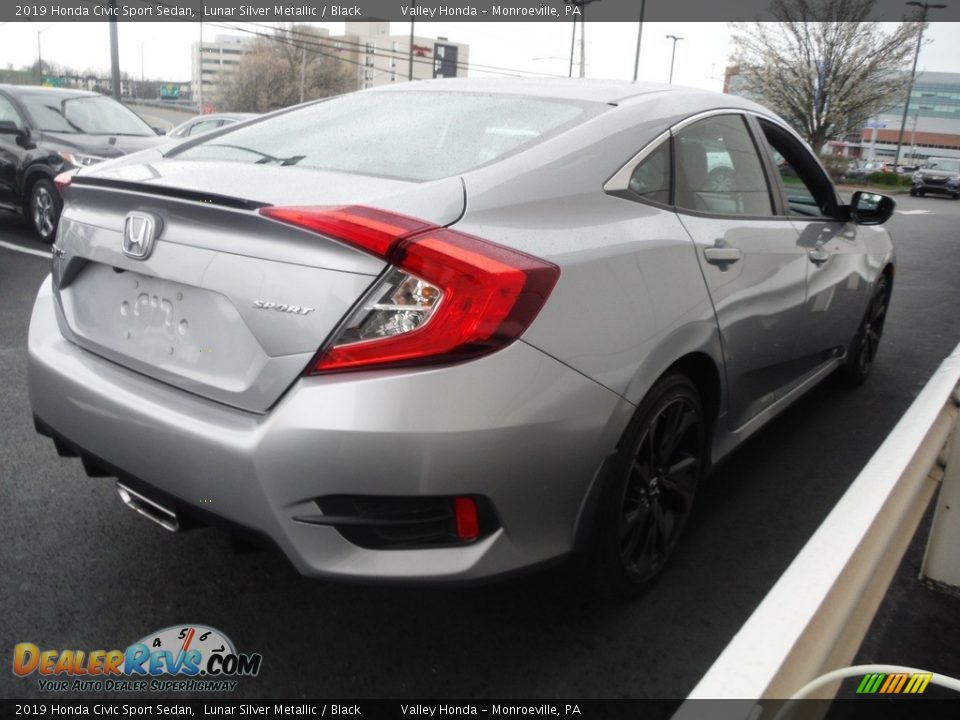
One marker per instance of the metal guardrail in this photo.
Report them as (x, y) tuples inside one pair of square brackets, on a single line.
[(183, 106), (815, 617)]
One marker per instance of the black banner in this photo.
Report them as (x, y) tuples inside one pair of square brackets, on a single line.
[(420, 10), (873, 708)]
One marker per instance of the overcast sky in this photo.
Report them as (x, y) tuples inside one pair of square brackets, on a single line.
[(538, 47)]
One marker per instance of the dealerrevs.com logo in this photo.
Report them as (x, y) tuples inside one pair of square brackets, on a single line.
[(181, 658)]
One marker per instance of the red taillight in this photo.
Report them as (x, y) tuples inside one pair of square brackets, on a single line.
[(484, 295), (468, 523), (63, 180)]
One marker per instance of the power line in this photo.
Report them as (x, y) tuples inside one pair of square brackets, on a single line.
[(319, 41)]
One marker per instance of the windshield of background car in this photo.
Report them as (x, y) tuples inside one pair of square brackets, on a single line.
[(946, 164), (89, 115), (403, 135)]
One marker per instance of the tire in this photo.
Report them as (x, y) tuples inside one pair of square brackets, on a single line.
[(920, 193), (648, 492), (43, 209), (955, 196), (863, 348), (913, 192)]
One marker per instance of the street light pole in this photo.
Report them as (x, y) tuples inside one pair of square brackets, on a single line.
[(39, 57), (913, 72), (636, 59), (673, 54)]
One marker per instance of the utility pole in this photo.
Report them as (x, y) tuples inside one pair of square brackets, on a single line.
[(413, 5), (583, 46), (114, 51), (39, 58), (636, 59), (303, 69), (200, 71), (673, 54), (582, 5), (913, 72)]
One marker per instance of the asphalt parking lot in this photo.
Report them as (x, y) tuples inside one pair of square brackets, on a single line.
[(81, 571)]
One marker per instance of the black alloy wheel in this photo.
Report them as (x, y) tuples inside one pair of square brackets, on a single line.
[(863, 349), (651, 488)]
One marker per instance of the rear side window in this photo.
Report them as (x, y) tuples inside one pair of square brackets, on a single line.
[(651, 179), (718, 170), (403, 135)]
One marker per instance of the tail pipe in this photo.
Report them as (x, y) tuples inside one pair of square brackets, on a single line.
[(150, 509)]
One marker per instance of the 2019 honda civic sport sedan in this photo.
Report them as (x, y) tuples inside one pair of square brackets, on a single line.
[(454, 329)]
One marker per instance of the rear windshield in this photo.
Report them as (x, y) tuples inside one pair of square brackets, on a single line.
[(87, 114), (404, 135)]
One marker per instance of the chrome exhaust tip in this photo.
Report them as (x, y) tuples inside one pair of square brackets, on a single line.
[(164, 517)]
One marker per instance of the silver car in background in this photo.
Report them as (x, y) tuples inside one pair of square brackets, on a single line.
[(453, 329), (202, 124)]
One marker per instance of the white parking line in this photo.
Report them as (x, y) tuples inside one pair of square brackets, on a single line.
[(913, 212), (28, 251)]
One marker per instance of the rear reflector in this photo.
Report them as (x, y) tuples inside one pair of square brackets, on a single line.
[(452, 296), (468, 524)]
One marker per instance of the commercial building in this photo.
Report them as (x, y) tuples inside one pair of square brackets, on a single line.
[(374, 56), (933, 122), (379, 58), (932, 128), (212, 60)]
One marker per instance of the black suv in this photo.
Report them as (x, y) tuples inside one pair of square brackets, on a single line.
[(938, 175), (44, 131)]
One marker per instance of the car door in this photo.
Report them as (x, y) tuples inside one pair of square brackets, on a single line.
[(840, 274), (749, 252), (10, 155)]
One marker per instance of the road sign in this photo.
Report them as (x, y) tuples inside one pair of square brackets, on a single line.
[(874, 125)]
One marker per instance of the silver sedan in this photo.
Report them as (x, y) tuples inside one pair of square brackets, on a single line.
[(452, 329)]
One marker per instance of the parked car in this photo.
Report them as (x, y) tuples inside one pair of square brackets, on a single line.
[(859, 170), (938, 175), (45, 131), (206, 123), (452, 329)]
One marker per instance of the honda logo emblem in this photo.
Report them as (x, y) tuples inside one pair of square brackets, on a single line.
[(140, 230)]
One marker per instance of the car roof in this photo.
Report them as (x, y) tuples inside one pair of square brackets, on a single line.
[(36, 89), (613, 92)]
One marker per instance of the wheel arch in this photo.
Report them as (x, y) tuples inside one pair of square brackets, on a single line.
[(705, 373)]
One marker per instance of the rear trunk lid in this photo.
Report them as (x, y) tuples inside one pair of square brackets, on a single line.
[(228, 305)]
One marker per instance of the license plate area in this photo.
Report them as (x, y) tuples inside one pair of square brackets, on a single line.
[(161, 326)]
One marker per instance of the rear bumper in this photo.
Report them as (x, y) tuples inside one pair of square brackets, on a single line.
[(516, 427)]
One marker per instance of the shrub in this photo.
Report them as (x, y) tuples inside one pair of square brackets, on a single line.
[(835, 165), (882, 178)]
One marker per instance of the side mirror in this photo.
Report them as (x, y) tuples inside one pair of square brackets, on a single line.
[(868, 208), (9, 127)]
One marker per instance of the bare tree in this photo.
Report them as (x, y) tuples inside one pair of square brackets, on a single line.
[(826, 77), (291, 66)]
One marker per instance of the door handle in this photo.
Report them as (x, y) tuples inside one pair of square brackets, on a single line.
[(721, 255), (818, 256)]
